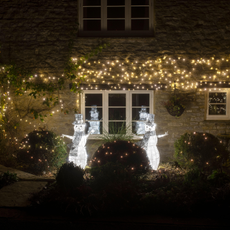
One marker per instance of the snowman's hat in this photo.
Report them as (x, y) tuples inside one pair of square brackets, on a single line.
[(78, 119)]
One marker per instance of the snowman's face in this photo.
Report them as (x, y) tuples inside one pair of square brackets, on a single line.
[(149, 128), (79, 128)]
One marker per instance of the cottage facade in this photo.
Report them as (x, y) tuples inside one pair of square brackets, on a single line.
[(152, 48)]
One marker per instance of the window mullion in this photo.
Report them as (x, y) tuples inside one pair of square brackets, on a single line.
[(151, 103), (105, 111), (104, 15), (80, 11), (227, 104), (128, 15), (150, 15), (83, 105), (128, 112)]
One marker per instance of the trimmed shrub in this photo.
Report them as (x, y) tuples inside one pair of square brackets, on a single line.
[(7, 144), (41, 151), (69, 176), (200, 150), (130, 156), (109, 173), (218, 178), (7, 178)]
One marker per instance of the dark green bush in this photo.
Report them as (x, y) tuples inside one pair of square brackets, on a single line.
[(109, 173), (200, 150), (69, 176), (130, 156), (218, 178), (41, 151), (194, 176), (7, 144), (7, 178)]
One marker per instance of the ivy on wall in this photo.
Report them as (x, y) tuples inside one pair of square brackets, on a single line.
[(41, 95)]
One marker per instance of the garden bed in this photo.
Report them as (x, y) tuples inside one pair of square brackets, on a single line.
[(162, 192)]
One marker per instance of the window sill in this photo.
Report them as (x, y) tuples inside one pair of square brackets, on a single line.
[(217, 119), (99, 137), (117, 34)]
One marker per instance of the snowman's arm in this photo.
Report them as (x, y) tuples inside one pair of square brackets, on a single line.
[(70, 137), (87, 135), (159, 136)]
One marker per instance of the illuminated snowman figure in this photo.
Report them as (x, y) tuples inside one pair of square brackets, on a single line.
[(94, 124), (140, 125), (78, 154), (149, 142)]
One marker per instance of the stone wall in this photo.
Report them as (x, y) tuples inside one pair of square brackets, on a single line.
[(36, 34)]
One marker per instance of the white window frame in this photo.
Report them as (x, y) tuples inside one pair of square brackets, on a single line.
[(105, 118), (127, 32), (218, 117)]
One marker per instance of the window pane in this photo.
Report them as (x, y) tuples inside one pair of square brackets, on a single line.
[(116, 25), (117, 114), (91, 12), (92, 25), (217, 97), (217, 109), (115, 12), (94, 125), (117, 99), (140, 2), (93, 99), (117, 127), (140, 99), (141, 24), (140, 12), (91, 2), (115, 2), (139, 114), (91, 114)]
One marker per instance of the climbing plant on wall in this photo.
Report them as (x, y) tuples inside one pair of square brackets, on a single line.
[(17, 83)]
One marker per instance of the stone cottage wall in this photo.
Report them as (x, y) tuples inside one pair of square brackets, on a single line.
[(36, 34)]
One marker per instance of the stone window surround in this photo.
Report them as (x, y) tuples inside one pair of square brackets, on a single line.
[(126, 33), (218, 117), (105, 106)]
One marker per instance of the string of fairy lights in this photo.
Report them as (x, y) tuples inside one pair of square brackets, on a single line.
[(185, 73), (202, 74), (108, 152)]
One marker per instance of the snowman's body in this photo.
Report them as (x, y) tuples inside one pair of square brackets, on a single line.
[(140, 125), (94, 124), (78, 153), (149, 142)]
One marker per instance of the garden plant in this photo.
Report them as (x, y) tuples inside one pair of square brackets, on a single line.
[(41, 152), (200, 150), (7, 178)]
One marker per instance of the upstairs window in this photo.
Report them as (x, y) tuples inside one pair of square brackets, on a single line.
[(115, 17)]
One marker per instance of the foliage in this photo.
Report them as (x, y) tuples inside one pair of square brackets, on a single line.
[(218, 178), (200, 150), (41, 151), (131, 156), (174, 101), (7, 144), (192, 195), (69, 176), (109, 173), (175, 104), (7, 178), (24, 82), (194, 176), (122, 133)]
